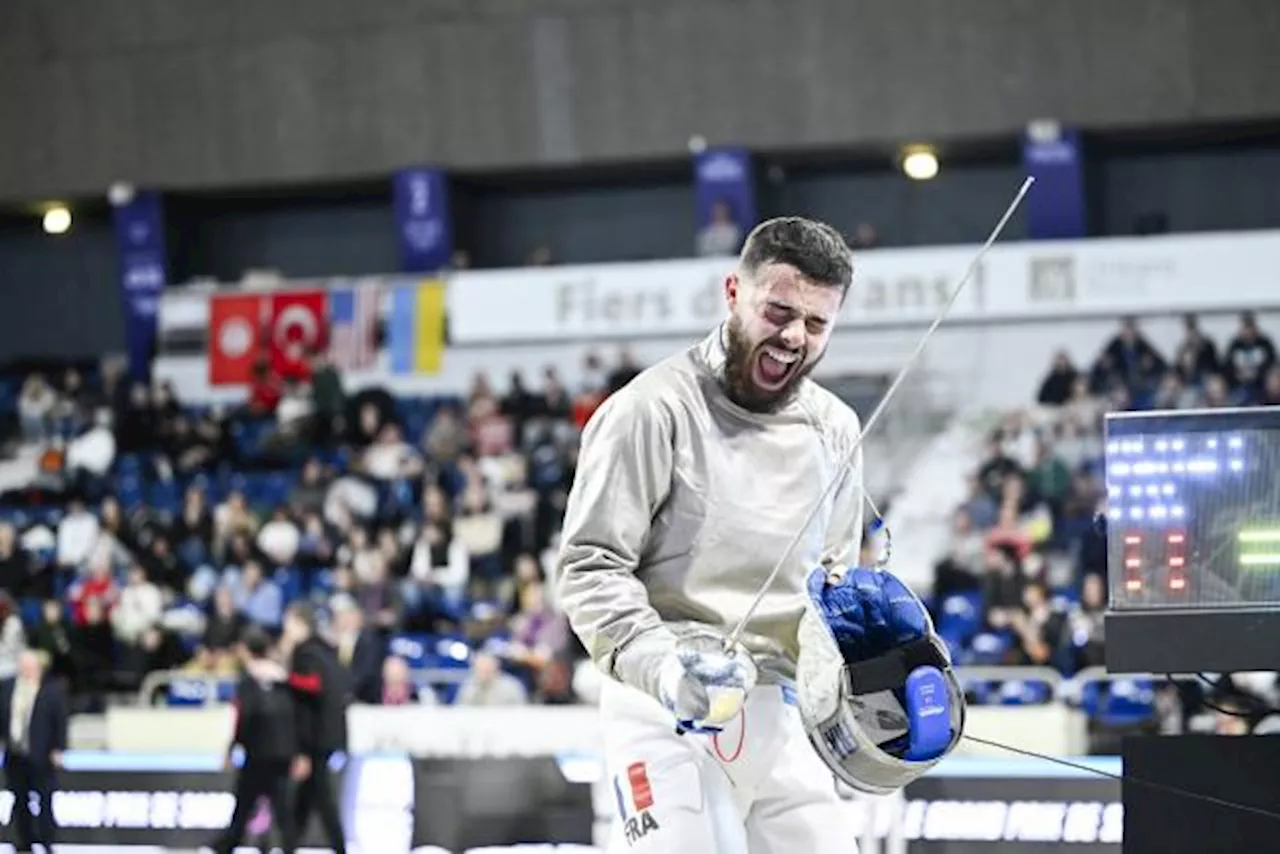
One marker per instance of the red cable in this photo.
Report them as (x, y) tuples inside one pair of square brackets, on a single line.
[(742, 740)]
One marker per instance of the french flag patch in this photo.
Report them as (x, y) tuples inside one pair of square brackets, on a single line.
[(641, 791)]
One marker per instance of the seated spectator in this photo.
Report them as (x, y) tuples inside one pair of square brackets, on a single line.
[(538, 634), (439, 564), (1039, 628), (222, 633), (90, 454), (231, 518), (980, 506), (493, 434), (360, 649), (350, 498), (358, 553), (53, 639), (192, 531), (19, 574), (265, 390), (74, 408), (258, 598), (379, 598), (447, 436), (95, 645), (1172, 394), (1196, 355), (1217, 394), (1086, 625), (1077, 446), (1002, 584), (1082, 408), (480, 531), (1131, 357), (163, 566), (35, 408), (116, 537), (1050, 478), (307, 495), (315, 547), (487, 685), (279, 539), (1056, 387), (390, 457), (77, 535), (960, 569), (186, 450), (396, 686), (135, 421), (13, 638), (624, 371), (996, 467), (137, 612), (1271, 388), (95, 593), (1249, 355)]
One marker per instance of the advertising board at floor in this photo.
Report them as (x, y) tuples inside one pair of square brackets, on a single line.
[(543, 805)]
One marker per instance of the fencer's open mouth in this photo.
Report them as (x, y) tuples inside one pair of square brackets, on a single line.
[(774, 366)]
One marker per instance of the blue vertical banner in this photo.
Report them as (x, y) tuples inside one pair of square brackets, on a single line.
[(144, 270), (1056, 206), (423, 222), (725, 195)]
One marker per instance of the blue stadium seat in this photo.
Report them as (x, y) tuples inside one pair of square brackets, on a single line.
[(988, 648), (413, 648), (165, 496), (129, 491), (960, 615), (1019, 692), (1129, 702)]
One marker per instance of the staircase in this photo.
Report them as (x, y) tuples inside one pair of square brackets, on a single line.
[(932, 487)]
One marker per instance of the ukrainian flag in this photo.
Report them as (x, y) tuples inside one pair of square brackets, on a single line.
[(415, 331)]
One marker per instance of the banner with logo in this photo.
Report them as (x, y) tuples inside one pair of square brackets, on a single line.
[(1055, 207), (891, 286), (725, 199), (423, 222), (388, 805), (140, 249)]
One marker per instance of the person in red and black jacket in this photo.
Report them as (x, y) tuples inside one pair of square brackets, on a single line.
[(321, 691)]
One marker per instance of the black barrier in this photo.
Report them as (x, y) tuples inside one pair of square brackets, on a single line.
[(960, 815), (393, 804), (389, 805)]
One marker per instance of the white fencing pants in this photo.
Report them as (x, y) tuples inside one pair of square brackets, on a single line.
[(756, 788)]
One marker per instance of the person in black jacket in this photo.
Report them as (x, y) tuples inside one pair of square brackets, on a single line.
[(321, 693), (33, 732), (265, 719)]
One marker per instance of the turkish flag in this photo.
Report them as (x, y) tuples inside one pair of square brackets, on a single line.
[(235, 337), (299, 321)]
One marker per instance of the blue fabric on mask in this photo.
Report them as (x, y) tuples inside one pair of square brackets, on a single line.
[(869, 611)]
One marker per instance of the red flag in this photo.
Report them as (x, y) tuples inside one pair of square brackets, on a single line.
[(298, 327), (235, 337)]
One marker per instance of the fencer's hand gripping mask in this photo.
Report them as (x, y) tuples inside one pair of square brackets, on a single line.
[(875, 688)]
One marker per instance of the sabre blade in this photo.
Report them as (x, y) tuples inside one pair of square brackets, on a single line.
[(736, 634)]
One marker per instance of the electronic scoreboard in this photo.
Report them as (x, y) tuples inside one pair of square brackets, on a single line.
[(1192, 526)]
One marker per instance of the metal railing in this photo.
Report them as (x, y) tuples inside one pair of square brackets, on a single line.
[(156, 682)]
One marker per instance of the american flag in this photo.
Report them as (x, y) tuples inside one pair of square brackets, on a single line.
[(353, 327)]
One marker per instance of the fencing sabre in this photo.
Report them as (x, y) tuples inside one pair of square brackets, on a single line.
[(732, 640)]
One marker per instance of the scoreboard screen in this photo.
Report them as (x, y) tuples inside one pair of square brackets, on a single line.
[(1193, 509)]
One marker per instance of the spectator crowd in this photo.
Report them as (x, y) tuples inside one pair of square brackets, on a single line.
[(1025, 579), (423, 530)]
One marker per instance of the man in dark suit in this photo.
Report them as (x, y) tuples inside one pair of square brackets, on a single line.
[(33, 714), (265, 720), (321, 691), (360, 650)]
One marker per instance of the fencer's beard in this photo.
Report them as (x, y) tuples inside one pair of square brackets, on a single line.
[(739, 372)]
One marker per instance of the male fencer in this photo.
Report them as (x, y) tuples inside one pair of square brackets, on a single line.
[(691, 483)]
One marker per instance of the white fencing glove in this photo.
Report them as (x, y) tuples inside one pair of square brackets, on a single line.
[(704, 686)]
